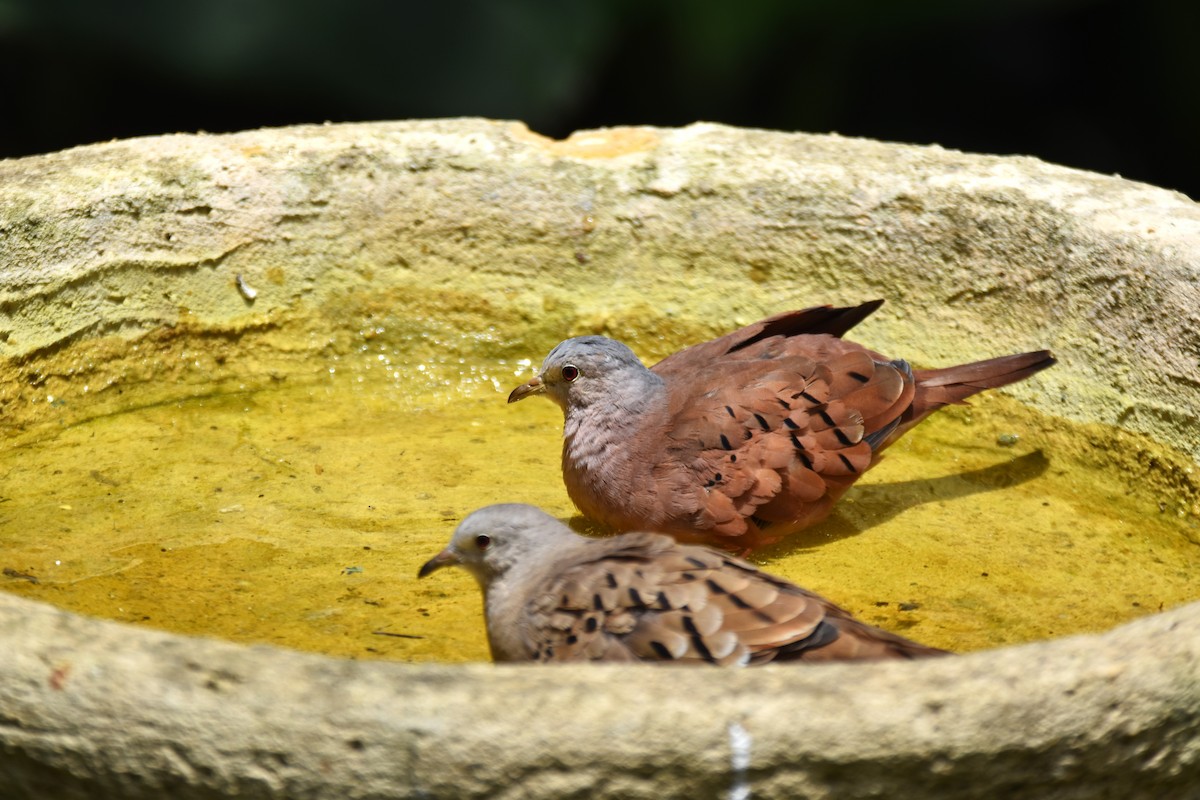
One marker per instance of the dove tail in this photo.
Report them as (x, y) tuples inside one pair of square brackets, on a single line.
[(848, 639), (952, 385), (894, 646)]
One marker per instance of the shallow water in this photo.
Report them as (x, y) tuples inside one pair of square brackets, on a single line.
[(299, 515)]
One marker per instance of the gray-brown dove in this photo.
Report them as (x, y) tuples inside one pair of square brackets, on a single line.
[(746, 438), (552, 595)]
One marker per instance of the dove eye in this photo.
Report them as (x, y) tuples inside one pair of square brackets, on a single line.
[(483, 541), (570, 372)]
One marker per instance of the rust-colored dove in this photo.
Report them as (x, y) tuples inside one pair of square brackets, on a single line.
[(551, 595), (746, 438)]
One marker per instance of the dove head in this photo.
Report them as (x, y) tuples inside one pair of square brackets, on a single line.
[(494, 540), (587, 370)]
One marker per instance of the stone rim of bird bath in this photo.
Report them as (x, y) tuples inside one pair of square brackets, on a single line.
[(247, 234)]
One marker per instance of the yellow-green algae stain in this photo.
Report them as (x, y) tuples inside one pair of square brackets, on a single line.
[(299, 515)]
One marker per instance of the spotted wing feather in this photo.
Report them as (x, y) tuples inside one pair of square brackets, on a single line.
[(641, 597), (779, 445)]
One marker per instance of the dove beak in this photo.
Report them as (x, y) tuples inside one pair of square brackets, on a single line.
[(535, 386), (446, 558)]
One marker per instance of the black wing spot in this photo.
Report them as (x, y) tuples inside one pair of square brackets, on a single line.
[(689, 625), (790, 423), (730, 412), (846, 461), (842, 437), (733, 458), (572, 639), (718, 478), (591, 624), (784, 403), (597, 602), (804, 459), (662, 601), (695, 562), (858, 376), (762, 422), (702, 649), (611, 580), (635, 596), (747, 433), (725, 442), (825, 416), (810, 398), (660, 650), (739, 602), (714, 587)]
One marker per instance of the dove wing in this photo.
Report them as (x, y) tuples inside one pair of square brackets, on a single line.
[(823, 321), (641, 597), (778, 443)]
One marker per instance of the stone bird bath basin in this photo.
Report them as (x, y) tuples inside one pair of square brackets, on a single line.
[(141, 243)]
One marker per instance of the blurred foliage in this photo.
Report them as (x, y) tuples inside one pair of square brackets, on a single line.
[(1100, 84)]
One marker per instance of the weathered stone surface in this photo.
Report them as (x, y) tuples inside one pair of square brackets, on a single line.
[(470, 223), (93, 709)]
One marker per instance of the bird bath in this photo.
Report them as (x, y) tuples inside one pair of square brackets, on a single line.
[(386, 284)]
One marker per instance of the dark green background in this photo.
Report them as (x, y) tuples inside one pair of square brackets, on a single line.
[(1109, 86)]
